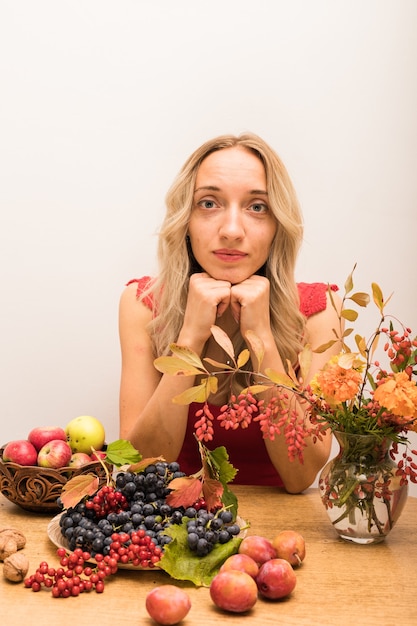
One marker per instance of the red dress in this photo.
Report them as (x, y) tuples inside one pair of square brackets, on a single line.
[(245, 447)]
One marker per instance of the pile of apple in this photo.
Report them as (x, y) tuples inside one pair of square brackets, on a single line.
[(260, 568), (55, 447)]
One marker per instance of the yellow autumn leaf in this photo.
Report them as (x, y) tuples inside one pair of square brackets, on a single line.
[(324, 346), (253, 389), (187, 355), (279, 378), (198, 393), (361, 344), (349, 281), (174, 366), (222, 366), (349, 314), (243, 358), (378, 297)]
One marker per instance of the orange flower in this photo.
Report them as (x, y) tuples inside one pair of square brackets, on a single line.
[(398, 394), (337, 384)]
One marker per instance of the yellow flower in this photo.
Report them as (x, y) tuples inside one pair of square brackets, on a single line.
[(337, 384), (398, 394)]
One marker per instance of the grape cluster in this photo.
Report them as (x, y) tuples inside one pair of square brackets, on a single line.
[(205, 529), (136, 502)]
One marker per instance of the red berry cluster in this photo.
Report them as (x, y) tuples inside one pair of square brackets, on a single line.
[(107, 500), (74, 576), (135, 548)]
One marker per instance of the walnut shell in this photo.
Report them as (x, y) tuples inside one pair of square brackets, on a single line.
[(16, 567), (17, 535), (8, 546)]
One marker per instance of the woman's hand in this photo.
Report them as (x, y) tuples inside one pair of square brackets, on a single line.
[(207, 300), (249, 303)]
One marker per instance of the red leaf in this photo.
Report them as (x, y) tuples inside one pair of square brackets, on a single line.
[(77, 488), (212, 493), (186, 491)]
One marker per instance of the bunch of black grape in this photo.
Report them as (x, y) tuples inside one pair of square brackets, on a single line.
[(137, 502), (205, 529)]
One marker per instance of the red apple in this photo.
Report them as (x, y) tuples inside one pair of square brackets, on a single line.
[(258, 548), (41, 435), (234, 591), (78, 459), (20, 451), (290, 545), (98, 455), (276, 579), (54, 454), (167, 604)]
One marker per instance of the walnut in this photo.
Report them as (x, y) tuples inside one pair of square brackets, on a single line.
[(16, 567), (17, 535), (8, 546)]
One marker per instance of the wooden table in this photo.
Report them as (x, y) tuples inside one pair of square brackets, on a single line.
[(338, 583)]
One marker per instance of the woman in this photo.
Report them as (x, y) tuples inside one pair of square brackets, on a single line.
[(227, 252)]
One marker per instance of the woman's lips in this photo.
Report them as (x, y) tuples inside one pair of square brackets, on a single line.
[(229, 256)]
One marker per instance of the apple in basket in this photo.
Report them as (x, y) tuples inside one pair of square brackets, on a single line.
[(54, 454), (20, 451), (41, 435)]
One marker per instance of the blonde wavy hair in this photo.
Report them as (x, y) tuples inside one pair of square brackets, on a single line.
[(169, 290)]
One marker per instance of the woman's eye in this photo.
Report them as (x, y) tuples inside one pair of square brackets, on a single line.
[(259, 207), (207, 204)]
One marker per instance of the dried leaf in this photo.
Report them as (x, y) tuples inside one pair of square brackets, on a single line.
[(185, 491), (279, 378), (361, 344), (324, 346), (139, 467), (254, 389), (78, 488), (349, 281), (175, 366), (349, 314), (212, 384), (374, 346), (243, 358), (187, 355), (222, 366), (199, 393), (360, 298), (223, 340), (256, 346), (212, 492), (304, 358)]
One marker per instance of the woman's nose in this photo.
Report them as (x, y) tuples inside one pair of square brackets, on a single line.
[(232, 226)]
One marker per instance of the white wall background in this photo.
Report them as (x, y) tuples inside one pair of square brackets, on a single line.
[(102, 101)]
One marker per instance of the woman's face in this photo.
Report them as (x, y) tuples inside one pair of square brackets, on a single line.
[(231, 227)]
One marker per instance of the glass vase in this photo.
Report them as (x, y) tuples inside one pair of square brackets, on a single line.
[(360, 490)]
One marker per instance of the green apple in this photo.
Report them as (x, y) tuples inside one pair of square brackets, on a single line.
[(85, 433)]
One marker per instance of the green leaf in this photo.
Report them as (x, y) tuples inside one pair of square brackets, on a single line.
[(219, 458), (223, 340), (121, 452), (175, 366), (182, 564)]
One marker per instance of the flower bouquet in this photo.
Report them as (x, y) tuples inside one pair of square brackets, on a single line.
[(353, 394)]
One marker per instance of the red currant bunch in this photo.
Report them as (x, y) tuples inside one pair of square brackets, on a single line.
[(135, 548), (107, 500)]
